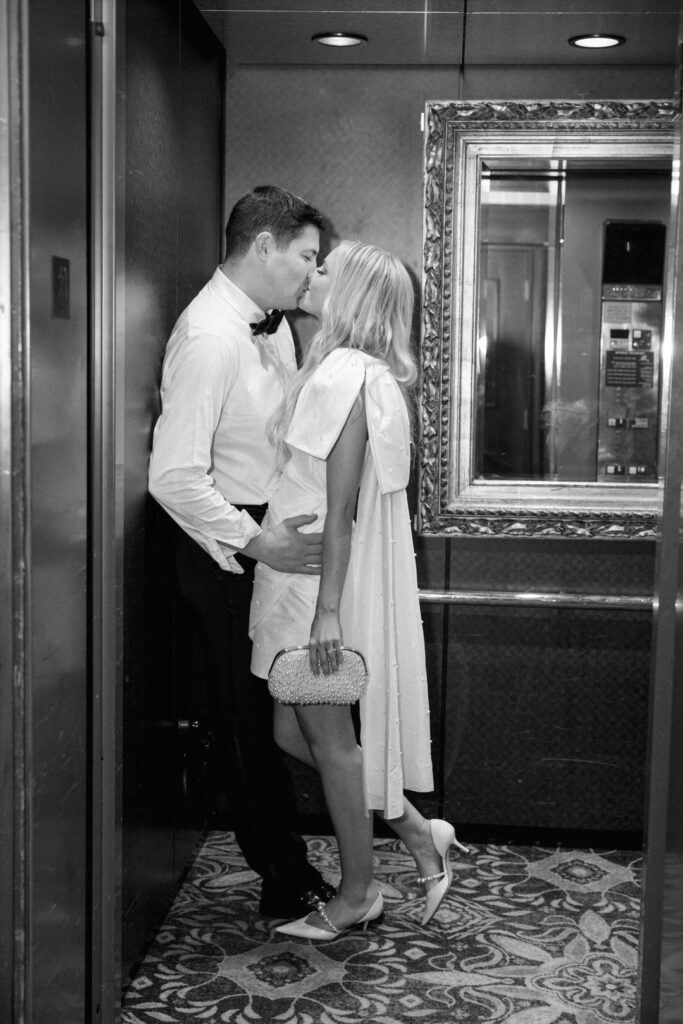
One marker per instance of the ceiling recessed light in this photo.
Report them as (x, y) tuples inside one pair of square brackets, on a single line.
[(339, 39), (597, 41)]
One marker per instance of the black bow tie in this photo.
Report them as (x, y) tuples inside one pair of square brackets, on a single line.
[(270, 324)]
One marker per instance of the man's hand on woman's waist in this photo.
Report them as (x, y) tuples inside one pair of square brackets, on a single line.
[(286, 549)]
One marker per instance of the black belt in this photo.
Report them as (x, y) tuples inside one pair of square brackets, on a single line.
[(257, 512)]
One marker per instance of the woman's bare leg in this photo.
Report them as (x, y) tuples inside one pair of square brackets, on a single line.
[(288, 735), (329, 733), (411, 827), (414, 831)]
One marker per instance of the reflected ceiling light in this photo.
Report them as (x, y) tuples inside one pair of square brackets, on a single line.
[(597, 41), (339, 39)]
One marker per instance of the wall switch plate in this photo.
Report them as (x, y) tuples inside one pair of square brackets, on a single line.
[(61, 287)]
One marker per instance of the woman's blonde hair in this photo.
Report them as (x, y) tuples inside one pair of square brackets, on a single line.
[(369, 307)]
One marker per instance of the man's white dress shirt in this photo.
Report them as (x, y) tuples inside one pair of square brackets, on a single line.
[(220, 386)]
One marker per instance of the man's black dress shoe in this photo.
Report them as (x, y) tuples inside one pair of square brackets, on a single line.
[(276, 901)]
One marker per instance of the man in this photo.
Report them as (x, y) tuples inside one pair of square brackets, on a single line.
[(213, 469)]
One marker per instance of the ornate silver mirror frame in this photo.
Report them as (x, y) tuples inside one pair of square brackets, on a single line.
[(459, 136)]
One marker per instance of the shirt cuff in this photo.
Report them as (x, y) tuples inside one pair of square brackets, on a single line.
[(227, 561)]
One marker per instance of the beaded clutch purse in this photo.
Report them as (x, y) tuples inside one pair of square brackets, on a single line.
[(291, 680)]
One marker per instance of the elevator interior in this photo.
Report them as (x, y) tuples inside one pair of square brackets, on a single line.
[(103, 742)]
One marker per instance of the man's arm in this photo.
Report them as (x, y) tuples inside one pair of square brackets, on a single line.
[(180, 470), (195, 387)]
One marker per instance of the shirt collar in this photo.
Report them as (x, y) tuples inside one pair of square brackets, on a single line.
[(235, 297)]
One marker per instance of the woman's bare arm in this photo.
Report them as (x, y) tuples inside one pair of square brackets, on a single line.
[(344, 467)]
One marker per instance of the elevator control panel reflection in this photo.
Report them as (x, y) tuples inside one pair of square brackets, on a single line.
[(630, 344)]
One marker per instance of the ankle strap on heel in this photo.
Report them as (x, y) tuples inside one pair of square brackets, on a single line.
[(320, 909), (432, 878)]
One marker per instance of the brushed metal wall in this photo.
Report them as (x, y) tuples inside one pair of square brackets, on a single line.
[(173, 183), (12, 646), (57, 675), (662, 919)]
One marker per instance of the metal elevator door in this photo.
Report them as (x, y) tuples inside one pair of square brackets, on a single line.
[(661, 968), (44, 677), (83, 321)]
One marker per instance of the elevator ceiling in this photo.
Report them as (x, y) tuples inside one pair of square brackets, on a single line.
[(444, 32)]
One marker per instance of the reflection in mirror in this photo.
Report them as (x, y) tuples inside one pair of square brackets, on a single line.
[(571, 275), (545, 262)]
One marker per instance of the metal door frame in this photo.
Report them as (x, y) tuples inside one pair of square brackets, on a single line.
[(664, 811), (14, 793), (106, 468)]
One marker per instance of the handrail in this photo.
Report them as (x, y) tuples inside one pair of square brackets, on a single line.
[(538, 599)]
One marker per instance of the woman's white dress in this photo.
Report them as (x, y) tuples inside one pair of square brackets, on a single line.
[(380, 611)]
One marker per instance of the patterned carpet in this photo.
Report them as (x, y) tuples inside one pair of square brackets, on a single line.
[(527, 935)]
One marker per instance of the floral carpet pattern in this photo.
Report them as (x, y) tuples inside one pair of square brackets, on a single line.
[(526, 935)]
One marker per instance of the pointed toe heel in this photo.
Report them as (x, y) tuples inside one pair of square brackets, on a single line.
[(375, 912), (443, 837), (301, 929)]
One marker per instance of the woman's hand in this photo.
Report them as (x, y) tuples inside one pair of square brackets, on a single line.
[(324, 646)]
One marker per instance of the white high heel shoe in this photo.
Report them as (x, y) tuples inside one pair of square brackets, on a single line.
[(301, 929), (443, 837)]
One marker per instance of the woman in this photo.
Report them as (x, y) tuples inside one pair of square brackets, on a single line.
[(345, 434)]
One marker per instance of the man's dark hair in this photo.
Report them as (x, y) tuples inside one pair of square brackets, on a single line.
[(269, 208)]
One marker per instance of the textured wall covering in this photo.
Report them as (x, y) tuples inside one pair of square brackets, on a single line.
[(349, 140), (544, 714)]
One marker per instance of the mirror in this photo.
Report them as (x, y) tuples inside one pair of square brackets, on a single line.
[(544, 292)]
